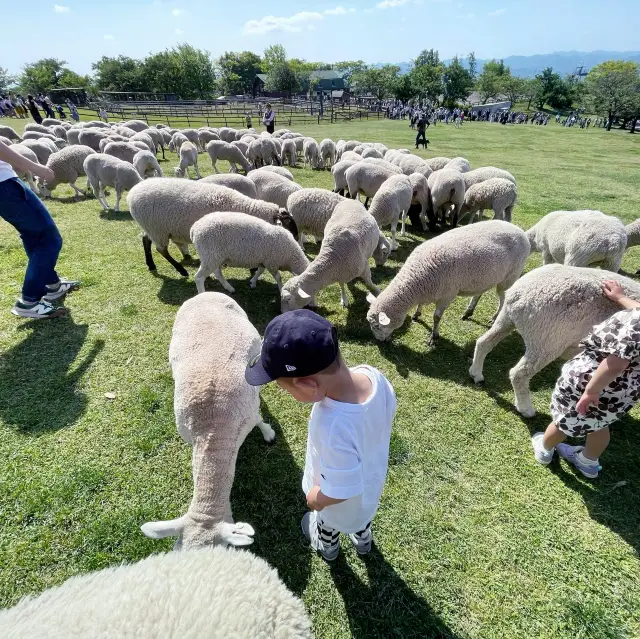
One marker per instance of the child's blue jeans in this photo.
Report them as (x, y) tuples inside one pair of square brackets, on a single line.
[(40, 236)]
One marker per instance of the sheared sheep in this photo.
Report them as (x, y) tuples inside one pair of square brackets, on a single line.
[(9, 132), (146, 164), (311, 154), (458, 164), (272, 187), (67, 165), (233, 181), (289, 153), (367, 178), (496, 193), (188, 157), (28, 153), (485, 173), (311, 210), (40, 148), (220, 150), (447, 197), (327, 151), (136, 125), (105, 170), (391, 203), (92, 137), (339, 173)]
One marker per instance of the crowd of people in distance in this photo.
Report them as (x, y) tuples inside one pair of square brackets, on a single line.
[(16, 106)]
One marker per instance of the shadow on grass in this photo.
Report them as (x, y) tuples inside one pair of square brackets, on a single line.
[(387, 607), (115, 216), (267, 492), (40, 376)]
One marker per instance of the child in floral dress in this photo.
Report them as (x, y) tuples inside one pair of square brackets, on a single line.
[(595, 388)]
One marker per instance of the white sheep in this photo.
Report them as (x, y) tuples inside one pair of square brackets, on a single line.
[(158, 139), (227, 134), (311, 210), (311, 153), (485, 173), (6, 141), (122, 150), (458, 164), (236, 239), (177, 139), (40, 148), (350, 145), (351, 237), (412, 164), (437, 163), (212, 343), (465, 261), (289, 153), (96, 124), (553, 308), (233, 181), (339, 173), (351, 156), (105, 170), (496, 193), (146, 164), (633, 233), (188, 157), (73, 136), (112, 137), (92, 137), (367, 178), (136, 125), (220, 150), (166, 209), (67, 165), (205, 137), (272, 187), (34, 126), (37, 135), (124, 131), (327, 150), (205, 592), (263, 151), (146, 139), (10, 132), (28, 153), (447, 196), (381, 148), (243, 146), (371, 152), (193, 135), (387, 165), (391, 203), (280, 170), (580, 238), (58, 131)]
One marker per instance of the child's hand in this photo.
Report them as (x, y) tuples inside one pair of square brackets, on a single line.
[(613, 290), (312, 499), (587, 399)]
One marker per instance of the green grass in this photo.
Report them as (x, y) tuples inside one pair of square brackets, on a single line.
[(473, 538)]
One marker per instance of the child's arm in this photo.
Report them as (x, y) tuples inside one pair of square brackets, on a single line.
[(615, 293), (609, 369), (317, 500), (21, 163)]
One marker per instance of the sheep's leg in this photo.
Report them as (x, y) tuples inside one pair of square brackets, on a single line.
[(498, 213), (472, 306), (394, 227), (201, 275), (441, 307), (220, 277), (148, 256), (344, 300), (195, 166), (417, 313), (267, 432), (215, 168), (232, 167), (546, 257), (404, 219), (164, 251), (367, 201), (118, 196), (531, 363), (162, 147), (301, 240), (256, 276), (76, 189), (276, 276), (183, 247), (487, 342), (368, 282)]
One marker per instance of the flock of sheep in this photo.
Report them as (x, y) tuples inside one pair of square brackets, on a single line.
[(259, 220)]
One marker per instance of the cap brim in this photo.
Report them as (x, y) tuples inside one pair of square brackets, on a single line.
[(256, 375)]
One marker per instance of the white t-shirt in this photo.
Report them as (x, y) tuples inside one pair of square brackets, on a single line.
[(348, 453), (6, 171)]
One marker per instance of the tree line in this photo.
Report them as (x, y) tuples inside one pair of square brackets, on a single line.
[(611, 89)]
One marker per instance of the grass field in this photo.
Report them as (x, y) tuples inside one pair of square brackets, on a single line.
[(474, 539)]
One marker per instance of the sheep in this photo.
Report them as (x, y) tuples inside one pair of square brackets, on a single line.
[(299, 142), (37, 135), (311, 210), (9, 132), (40, 148), (412, 164), (239, 133), (242, 146), (91, 137), (280, 170), (212, 343), (233, 592), (339, 173), (381, 148), (146, 139), (387, 165), (34, 126), (372, 152), (485, 173), (96, 124), (6, 141), (192, 135), (205, 137), (263, 151), (73, 135), (278, 144), (113, 137), (58, 131), (447, 190), (177, 139), (351, 237), (188, 157), (157, 138), (122, 150), (366, 178), (125, 131), (272, 187), (391, 203), (458, 164), (633, 233), (166, 209), (67, 165), (105, 170), (136, 125), (28, 153), (227, 134), (437, 163), (220, 150), (553, 308), (327, 151), (233, 181), (339, 148), (351, 156), (311, 154), (146, 164), (420, 203), (579, 238), (289, 152), (280, 132), (465, 261), (496, 193), (350, 145), (236, 239)]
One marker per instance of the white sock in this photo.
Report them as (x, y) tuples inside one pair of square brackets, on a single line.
[(586, 461)]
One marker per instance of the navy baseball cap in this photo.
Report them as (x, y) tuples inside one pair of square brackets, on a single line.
[(296, 344)]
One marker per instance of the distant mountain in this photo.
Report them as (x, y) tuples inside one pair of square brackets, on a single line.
[(562, 62)]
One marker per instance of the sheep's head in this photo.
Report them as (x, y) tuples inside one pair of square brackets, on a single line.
[(179, 172), (382, 251), (44, 188), (285, 220), (382, 326), (293, 297)]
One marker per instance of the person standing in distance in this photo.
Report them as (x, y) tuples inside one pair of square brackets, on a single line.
[(269, 119)]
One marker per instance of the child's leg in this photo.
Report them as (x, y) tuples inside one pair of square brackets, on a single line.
[(552, 436), (330, 537), (362, 540), (596, 443), (544, 444)]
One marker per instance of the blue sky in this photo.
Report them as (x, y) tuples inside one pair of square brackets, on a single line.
[(80, 32)]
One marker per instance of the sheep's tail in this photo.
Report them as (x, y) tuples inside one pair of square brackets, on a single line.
[(161, 529), (633, 233)]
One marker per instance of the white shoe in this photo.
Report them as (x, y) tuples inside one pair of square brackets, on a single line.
[(542, 455)]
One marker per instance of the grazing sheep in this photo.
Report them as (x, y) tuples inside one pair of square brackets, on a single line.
[(188, 157), (212, 343), (372, 152), (311, 154), (236, 239), (350, 145), (125, 131), (105, 170), (28, 153), (366, 178), (122, 150), (157, 138), (579, 238), (327, 151), (146, 139), (146, 164), (339, 173), (289, 153), (177, 139), (34, 126), (166, 209), (420, 203), (49, 122), (633, 233), (351, 237), (6, 141), (447, 197), (381, 148), (233, 181), (438, 163), (262, 152), (485, 173), (240, 132), (227, 134), (553, 308), (67, 166), (383, 163), (205, 137), (37, 135), (465, 261), (96, 124), (273, 188), (193, 135), (9, 132), (412, 164), (40, 148), (91, 138), (496, 193), (351, 156), (220, 150), (311, 210), (299, 142), (391, 203), (112, 137), (243, 146), (458, 164), (136, 125), (59, 131), (73, 135), (233, 592)]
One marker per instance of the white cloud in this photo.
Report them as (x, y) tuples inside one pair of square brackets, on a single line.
[(293, 23), (177, 12), (108, 36), (497, 12), (179, 31), (387, 4), (58, 8)]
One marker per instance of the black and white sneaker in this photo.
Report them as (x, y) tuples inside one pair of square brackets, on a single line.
[(309, 525), (37, 310), (60, 289), (362, 541)]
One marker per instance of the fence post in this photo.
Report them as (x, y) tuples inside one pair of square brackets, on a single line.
[(188, 121)]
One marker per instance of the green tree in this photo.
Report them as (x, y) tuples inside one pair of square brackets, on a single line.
[(119, 74), (614, 89), (513, 87), (378, 81), (427, 81), (472, 65), (490, 82), (237, 71), (404, 89), (45, 74), (347, 68), (457, 82), (552, 90), (430, 58), (282, 79), (6, 80), (530, 90), (275, 54)]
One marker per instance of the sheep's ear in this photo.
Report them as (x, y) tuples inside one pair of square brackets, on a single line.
[(161, 529), (237, 534), (383, 320), (303, 294), (371, 298)]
